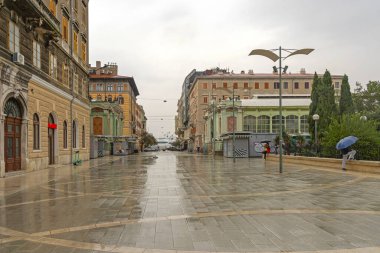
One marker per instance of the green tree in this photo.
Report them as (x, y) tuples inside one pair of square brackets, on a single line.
[(147, 140), (346, 105), (369, 139), (314, 100), (326, 107), (367, 101)]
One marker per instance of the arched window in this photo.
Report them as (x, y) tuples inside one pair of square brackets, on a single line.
[(36, 132), (74, 134), (83, 137), (263, 124), (292, 124), (250, 123), (120, 99), (276, 123), (64, 134), (109, 98), (304, 124)]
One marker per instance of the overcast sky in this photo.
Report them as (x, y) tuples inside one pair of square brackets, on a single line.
[(159, 42)]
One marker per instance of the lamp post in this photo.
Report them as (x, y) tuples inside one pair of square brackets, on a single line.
[(274, 57), (316, 118)]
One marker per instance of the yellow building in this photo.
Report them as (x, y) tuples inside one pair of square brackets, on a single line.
[(44, 94), (107, 85)]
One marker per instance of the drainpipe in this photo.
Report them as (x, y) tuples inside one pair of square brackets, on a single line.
[(71, 124)]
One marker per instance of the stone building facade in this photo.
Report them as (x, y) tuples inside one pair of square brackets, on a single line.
[(44, 78), (218, 85)]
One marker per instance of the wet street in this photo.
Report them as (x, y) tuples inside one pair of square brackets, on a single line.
[(179, 202)]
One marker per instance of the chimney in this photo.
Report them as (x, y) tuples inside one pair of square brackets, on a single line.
[(98, 64), (303, 71)]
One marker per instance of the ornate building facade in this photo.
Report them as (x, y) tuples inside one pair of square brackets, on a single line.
[(107, 85), (200, 89), (44, 78)]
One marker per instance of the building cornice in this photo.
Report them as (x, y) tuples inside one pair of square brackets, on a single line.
[(57, 91)]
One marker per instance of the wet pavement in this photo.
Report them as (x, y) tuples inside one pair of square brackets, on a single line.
[(187, 202)]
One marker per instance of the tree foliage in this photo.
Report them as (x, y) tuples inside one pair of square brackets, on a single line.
[(326, 107), (346, 105), (367, 101), (369, 139), (314, 100), (147, 139)]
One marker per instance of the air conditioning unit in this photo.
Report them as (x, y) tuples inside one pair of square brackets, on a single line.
[(18, 58)]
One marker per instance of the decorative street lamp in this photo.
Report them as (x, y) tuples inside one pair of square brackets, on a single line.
[(316, 118), (274, 57)]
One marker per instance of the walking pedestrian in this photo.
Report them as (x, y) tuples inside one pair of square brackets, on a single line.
[(347, 154)]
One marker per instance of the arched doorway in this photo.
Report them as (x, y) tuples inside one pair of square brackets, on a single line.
[(52, 126), (12, 135)]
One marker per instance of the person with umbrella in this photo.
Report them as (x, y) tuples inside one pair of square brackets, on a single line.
[(266, 148), (344, 146)]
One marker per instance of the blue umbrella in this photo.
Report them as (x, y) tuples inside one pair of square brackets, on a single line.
[(346, 142)]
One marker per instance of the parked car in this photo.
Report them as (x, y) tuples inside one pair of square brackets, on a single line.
[(152, 148)]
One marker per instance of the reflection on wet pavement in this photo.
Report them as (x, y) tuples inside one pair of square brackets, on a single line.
[(186, 202)]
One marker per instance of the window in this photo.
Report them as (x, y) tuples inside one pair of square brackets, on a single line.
[(76, 5), (65, 29), (205, 100), (109, 98), (14, 37), (36, 132), (336, 85), (276, 85), (225, 85), (75, 42), (304, 124), (249, 123), (263, 124), (276, 123), (120, 87), (36, 54), (65, 134), (285, 85), (65, 74), (245, 85), (214, 85), (205, 86), (307, 85), (266, 86), (99, 87), (76, 82), (53, 66), (231, 123), (296, 85), (245, 97), (99, 98), (84, 15), (83, 136), (109, 87), (74, 134), (84, 53), (81, 87), (235, 85), (292, 124), (53, 7), (120, 99), (257, 86)]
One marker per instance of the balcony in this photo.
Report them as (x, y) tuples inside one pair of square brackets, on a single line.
[(36, 13)]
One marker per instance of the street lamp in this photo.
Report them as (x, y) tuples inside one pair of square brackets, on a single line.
[(316, 118), (363, 118), (274, 57)]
